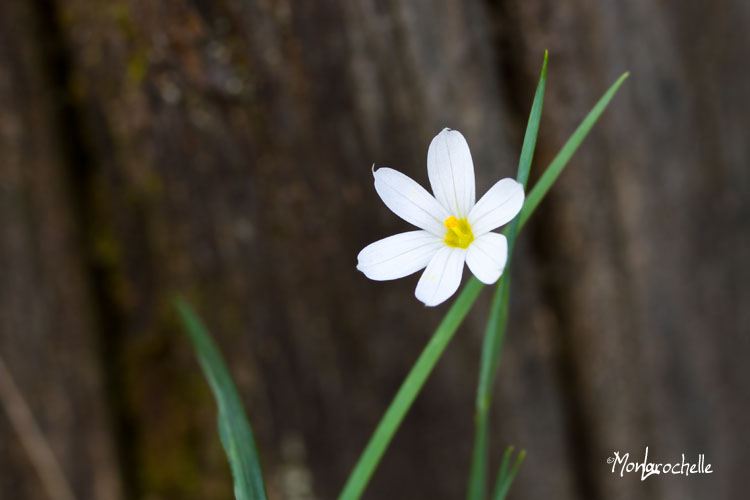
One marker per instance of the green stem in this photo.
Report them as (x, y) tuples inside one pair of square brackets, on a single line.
[(408, 391), (495, 330), (497, 321)]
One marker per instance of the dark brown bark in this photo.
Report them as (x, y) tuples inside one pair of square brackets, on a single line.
[(222, 149), (48, 323)]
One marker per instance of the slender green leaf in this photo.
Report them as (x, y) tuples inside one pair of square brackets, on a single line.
[(234, 428), (495, 329), (505, 463), (561, 160), (532, 127), (408, 391), (504, 477), (497, 322)]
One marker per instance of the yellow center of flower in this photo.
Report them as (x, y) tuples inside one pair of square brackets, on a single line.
[(459, 233)]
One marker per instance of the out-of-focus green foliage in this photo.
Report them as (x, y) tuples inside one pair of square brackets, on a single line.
[(234, 428)]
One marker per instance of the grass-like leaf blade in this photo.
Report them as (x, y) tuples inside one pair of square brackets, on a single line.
[(532, 127), (495, 328), (408, 391), (505, 463), (497, 322), (234, 428), (505, 477), (561, 160)]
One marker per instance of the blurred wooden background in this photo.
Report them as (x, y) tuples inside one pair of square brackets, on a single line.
[(223, 149)]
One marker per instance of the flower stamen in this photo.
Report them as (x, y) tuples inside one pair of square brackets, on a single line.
[(459, 232)]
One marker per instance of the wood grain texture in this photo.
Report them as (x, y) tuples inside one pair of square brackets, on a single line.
[(48, 326), (223, 149)]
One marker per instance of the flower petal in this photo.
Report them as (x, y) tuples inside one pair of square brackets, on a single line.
[(441, 278), (486, 257), (497, 207), (398, 255), (410, 201), (451, 172)]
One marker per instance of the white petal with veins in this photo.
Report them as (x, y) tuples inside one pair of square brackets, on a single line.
[(398, 255), (451, 172), (441, 278), (410, 201), (486, 257), (497, 207)]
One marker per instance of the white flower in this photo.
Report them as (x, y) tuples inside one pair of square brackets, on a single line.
[(453, 229)]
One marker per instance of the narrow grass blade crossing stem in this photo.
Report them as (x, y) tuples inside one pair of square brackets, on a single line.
[(414, 381), (504, 476), (558, 163), (495, 329), (497, 322), (409, 390)]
